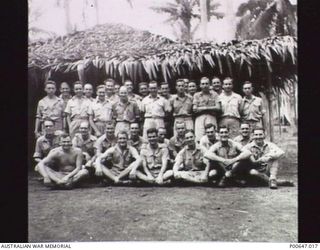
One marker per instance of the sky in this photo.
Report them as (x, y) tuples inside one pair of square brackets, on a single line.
[(140, 17)]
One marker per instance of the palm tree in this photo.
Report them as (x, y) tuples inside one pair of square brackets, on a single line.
[(261, 19), (183, 11)]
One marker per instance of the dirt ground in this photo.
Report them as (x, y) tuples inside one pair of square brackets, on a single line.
[(251, 214)]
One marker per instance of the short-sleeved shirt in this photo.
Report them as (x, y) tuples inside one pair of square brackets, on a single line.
[(268, 148), (138, 144), (85, 145), (176, 143), (78, 107), (50, 109), (166, 142), (135, 98), (154, 158), (103, 143), (233, 149), (252, 109), (191, 159), (121, 159), (243, 141), (230, 104), (201, 100), (126, 112), (101, 111), (206, 143), (65, 100), (181, 106), (91, 99), (155, 107), (113, 99), (44, 145)]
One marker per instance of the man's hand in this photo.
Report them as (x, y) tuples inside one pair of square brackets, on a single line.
[(228, 162), (116, 180)]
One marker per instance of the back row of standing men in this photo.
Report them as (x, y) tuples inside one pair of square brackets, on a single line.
[(216, 104)]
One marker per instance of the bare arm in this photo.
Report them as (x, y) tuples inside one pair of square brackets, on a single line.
[(79, 159), (93, 126), (211, 155)]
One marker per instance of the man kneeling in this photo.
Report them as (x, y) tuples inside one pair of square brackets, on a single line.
[(118, 161), (190, 164), (62, 166), (154, 161)]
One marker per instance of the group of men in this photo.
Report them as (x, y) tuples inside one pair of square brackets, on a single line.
[(217, 136)]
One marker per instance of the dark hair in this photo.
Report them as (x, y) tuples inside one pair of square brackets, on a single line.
[(50, 82), (153, 82), (189, 131), (258, 128), (209, 125), (248, 82), (122, 132), (228, 78), (225, 127), (135, 123), (143, 83), (246, 123), (110, 123), (64, 135), (164, 83), (152, 130), (215, 77), (100, 87), (179, 80), (162, 128), (65, 83), (127, 80), (109, 80), (77, 82)]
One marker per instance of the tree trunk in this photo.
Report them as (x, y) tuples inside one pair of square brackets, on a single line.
[(204, 18), (67, 16), (269, 94)]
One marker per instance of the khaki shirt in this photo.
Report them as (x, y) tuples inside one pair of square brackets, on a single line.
[(138, 144), (243, 141), (50, 110), (206, 143), (202, 100), (125, 112), (176, 143), (191, 160), (120, 159), (155, 107), (101, 111), (85, 145), (44, 145), (102, 143), (181, 106), (252, 109), (154, 158), (78, 108), (113, 99), (268, 149), (230, 105), (65, 101), (233, 149), (135, 98)]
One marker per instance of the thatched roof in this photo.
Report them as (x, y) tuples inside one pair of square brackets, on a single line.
[(105, 41)]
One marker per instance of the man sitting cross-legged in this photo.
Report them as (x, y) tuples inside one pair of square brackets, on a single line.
[(117, 162), (62, 166), (264, 162), (227, 157), (190, 164), (154, 161)]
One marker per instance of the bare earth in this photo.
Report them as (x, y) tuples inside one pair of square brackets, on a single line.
[(254, 214)]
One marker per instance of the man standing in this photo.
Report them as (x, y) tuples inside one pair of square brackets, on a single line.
[(264, 158), (205, 107), (227, 157), (77, 109), (143, 89), (165, 91), (65, 93), (177, 142), (181, 105), (62, 166), (192, 88), (230, 105), (154, 161), (100, 112), (107, 140), (186, 85), (125, 111), (46, 142), (245, 136), (88, 91), (135, 139), (131, 96), (209, 138), (85, 142), (252, 110), (111, 96), (155, 108), (190, 164), (216, 85), (49, 107), (118, 161)]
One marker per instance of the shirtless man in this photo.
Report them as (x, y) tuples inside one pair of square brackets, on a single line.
[(62, 166)]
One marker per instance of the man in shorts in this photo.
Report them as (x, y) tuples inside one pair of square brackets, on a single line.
[(227, 157), (190, 164), (154, 161), (118, 161), (62, 167)]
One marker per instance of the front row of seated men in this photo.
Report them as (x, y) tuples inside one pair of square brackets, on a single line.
[(125, 159)]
